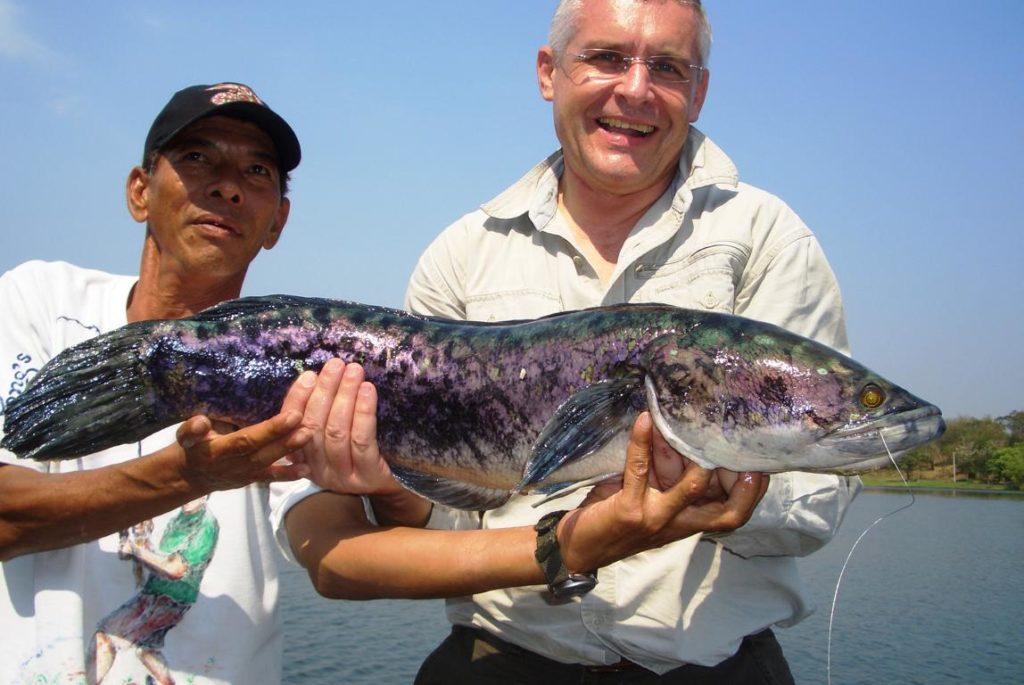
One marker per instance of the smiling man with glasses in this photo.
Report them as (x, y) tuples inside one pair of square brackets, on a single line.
[(637, 206)]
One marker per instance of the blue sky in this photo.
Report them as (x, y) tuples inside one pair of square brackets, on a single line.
[(895, 129)]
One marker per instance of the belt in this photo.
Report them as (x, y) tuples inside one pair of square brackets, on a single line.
[(622, 664), (473, 632)]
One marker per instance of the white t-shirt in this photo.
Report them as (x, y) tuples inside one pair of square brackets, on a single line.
[(53, 603)]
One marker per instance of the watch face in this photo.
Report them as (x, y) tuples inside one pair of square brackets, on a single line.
[(574, 586)]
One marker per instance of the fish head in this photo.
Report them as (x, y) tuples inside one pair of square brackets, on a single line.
[(749, 396)]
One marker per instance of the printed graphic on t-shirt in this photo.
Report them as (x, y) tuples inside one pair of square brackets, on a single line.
[(127, 647), (174, 571), (24, 368), (22, 371)]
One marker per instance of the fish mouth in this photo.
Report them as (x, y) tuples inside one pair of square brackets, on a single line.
[(899, 431)]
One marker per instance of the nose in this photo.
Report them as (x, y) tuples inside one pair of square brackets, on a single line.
[(635, 84), (226, 186)]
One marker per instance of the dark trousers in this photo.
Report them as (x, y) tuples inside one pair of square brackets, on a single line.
[(471, 656)]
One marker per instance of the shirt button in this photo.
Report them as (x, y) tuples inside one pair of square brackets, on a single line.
[(578, 262), (710, 300)]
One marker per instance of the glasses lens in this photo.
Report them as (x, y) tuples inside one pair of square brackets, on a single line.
[(668, 70), (596, 65), (607, 63), (599, 64)]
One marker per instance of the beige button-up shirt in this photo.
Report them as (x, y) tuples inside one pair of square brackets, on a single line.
[(710, 242)]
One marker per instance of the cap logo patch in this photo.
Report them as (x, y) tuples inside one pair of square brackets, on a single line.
[(233, 92)]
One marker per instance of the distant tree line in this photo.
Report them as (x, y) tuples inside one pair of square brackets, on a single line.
[(985, 450)]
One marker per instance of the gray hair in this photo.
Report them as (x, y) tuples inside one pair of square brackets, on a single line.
[(565, 24)]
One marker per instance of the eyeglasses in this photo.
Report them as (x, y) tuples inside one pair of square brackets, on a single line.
[(602, 65)]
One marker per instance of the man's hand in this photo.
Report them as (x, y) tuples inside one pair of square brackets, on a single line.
[(668, 467), (662, 498), (340, 412), (218, 457)]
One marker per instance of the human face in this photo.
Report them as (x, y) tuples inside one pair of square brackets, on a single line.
[(212, 199), (624, 136)]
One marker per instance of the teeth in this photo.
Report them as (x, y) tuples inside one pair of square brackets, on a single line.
[(619, 123)]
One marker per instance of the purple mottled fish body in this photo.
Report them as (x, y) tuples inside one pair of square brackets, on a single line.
[(471, 413)]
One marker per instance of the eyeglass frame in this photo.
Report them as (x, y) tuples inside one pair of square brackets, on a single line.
[(628, 61)]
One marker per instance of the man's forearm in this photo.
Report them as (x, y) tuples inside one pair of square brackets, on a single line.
[(40, 511), (348, 557)]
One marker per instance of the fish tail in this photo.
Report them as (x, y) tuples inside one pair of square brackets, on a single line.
[(89, 397)]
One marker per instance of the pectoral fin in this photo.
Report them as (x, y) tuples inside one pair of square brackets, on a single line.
[(583, 424)]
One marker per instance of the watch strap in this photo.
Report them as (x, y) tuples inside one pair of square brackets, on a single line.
[(561, 583)]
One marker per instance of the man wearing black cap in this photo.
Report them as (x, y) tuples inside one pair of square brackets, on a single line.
[(211, 193)]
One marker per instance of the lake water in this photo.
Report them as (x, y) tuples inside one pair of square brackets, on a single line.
[(933, 594)]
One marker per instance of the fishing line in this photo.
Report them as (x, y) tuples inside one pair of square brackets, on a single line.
[(835, 596)]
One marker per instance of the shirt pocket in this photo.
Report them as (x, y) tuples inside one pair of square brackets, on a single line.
[(704, 279)]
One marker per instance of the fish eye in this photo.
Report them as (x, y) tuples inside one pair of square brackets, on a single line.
[(872, 396)]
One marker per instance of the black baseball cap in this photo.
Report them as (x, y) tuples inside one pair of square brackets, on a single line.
[(234, 100)]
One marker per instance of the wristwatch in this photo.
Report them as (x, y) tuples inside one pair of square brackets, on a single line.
[(561, 583)]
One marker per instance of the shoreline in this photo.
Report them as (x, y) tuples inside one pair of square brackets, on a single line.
[(943, 490)]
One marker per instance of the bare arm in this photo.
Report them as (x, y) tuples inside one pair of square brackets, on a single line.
[(348, 557), (40, 511)]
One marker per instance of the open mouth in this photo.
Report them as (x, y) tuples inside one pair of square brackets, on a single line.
[(626, 128)]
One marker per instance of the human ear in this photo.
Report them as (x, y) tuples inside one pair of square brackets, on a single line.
[(546, 72), (280, 220), (700, 92), (137, 194)]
